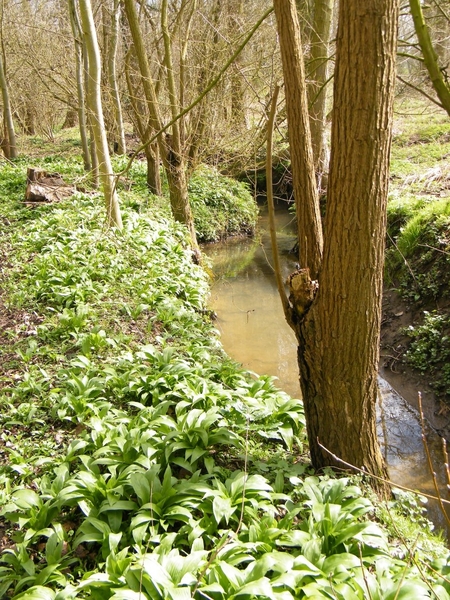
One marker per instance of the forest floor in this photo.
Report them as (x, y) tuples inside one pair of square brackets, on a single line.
[(138, 460)]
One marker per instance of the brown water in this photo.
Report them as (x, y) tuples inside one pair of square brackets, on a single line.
[(255, 333)]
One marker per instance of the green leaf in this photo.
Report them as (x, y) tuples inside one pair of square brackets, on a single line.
[(36, 592), (279, 482), (223, 509), (26, 499), (180, 593), (409, 590), (209, 464), (287, 434), (260, 587), (127, 595), (337, 562), (292, 539), (118, 505), (155, 571), (141, 487)]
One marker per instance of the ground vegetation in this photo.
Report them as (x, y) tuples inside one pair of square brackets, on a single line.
[(137, 460)]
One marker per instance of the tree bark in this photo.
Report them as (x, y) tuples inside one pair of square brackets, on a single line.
[(430, 57), (96, 114), (337, 321), (302, 160), (144, 131), (339, 337)]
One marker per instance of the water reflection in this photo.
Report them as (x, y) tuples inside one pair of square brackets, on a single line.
[(255, 333)]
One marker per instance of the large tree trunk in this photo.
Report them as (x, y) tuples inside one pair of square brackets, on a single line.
[(339, 338), (338, 325), (96, 115)]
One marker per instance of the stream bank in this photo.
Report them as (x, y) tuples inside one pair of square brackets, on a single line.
[(255, 333)]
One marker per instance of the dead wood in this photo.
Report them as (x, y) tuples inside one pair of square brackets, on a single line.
[(46, 187)]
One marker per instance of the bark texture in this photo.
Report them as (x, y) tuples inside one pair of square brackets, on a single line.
[(81, 92), (112, 77), (169, 145), (339, 337)]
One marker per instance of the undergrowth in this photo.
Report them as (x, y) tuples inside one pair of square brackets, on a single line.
[(137, 460), (222, 206)]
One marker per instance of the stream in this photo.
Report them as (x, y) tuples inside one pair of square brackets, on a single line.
[(254, 332)]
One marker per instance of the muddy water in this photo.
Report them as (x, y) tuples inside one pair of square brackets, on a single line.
[(254, 332)]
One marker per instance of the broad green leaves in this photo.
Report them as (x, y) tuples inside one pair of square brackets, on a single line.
[(171, 474)]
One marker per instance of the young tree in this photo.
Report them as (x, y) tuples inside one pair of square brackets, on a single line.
[(96, 113), (112, 16), (338, 323), (81, 92), (318, 79), (438, 75), (170, 148), (9, 143)]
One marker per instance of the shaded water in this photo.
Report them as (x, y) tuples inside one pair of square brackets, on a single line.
[(255, 333)]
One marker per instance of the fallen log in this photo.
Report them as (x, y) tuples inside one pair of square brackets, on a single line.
[(46, 187)]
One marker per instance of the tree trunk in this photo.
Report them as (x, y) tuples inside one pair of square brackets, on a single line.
[(30, 118), (144, 131), (430, 57), (320, 36), (153, 172), (339, 338), (71, 118), (81, 92), (338, 324), (96, 115), (169, 146), (10, 148), (304, 181), (112, 78)]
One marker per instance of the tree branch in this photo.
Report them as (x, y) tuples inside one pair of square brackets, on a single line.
[(206, 91)]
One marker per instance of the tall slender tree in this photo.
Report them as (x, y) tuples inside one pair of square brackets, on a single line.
[(96, 113), (337, 318), (112, 16), (81, 92), (318, 78), (169, 145), (437, 73), (9, 143)]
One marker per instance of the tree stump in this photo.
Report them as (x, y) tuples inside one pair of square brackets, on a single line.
[(46, 187)]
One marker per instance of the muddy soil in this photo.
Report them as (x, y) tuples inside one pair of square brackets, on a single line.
[(408, 382)]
